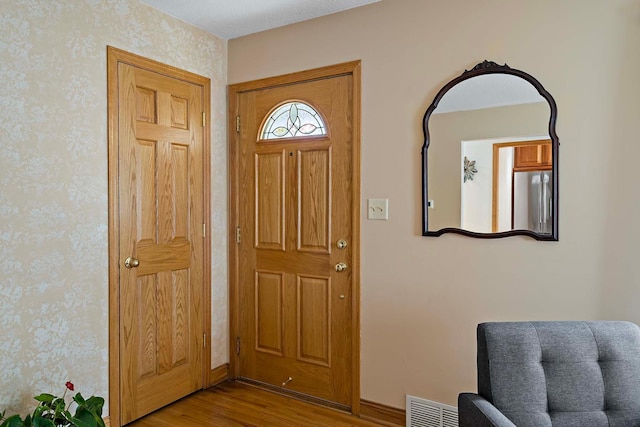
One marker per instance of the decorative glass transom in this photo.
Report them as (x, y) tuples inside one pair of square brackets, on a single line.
[(293, 119)]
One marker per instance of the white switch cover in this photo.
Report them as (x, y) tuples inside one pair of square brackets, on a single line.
[(378, 209)]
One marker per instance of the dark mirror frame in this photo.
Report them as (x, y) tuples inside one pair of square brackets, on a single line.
[(484, 68)]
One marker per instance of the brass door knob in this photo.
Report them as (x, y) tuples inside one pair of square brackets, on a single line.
[(340, 267), (131, 262)]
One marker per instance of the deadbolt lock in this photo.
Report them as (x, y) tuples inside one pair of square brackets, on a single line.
[(340, 267), (341, 244)]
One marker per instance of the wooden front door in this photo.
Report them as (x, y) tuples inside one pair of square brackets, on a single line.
[(160, 243), (297, 243)]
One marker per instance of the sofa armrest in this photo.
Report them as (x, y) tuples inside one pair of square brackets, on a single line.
[(476, 411)]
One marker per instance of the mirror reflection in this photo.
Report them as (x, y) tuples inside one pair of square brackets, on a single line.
[(489, 157)]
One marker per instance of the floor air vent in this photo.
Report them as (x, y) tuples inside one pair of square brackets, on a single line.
[(425, 413)]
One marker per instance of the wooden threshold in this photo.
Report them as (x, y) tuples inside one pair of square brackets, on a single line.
[(294, 394)]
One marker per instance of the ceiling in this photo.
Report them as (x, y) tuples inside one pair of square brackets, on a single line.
[(234, 18)]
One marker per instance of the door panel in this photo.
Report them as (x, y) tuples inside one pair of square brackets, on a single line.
[(270, 200), (268, 305), (314, 320), (147, 363), (160, 188), (314, 200), (295, 199)]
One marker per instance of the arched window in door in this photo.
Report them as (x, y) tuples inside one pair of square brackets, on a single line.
[(293, 119)]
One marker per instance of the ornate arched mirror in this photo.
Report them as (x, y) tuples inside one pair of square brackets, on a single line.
[(490, 157)]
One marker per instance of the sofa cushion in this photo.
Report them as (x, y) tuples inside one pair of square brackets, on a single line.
[(561, 373)]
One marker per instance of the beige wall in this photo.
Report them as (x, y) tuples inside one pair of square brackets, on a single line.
[(422, 297), (446, 132), (53, 177)]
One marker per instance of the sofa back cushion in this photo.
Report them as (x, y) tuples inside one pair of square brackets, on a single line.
[(561, 373)]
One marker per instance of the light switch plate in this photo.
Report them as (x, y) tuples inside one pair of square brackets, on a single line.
[(378, 209)]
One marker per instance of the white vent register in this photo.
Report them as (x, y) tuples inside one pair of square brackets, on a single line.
[(425, 413)]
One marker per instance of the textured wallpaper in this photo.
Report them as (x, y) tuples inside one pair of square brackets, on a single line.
[(53, 183)]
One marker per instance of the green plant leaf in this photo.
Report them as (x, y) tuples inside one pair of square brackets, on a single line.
[(12, 421), (43, 422), (44, 397), (58, 405), (78, 399), (81, 423), (39, 410), (83, 418), (98, 420), (95, 404)]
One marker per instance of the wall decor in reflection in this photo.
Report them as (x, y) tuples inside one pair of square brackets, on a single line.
[(469, 169)]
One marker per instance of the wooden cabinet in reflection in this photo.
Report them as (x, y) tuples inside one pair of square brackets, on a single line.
[(533, 157)]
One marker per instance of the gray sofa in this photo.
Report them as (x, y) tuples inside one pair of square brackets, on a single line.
[(555, 374)]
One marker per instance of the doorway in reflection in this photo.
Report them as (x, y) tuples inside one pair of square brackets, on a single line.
[(522, 186)]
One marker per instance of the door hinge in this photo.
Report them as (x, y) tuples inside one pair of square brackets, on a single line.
[(238, 236), (238, 124), (204, 340), (237, 345), (204, 230), (204, 119)]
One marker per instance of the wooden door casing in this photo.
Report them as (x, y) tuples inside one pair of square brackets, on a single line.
[(158, 212), (300, 200)]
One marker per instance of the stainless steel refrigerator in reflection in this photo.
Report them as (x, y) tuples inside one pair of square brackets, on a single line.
[(532, 201)]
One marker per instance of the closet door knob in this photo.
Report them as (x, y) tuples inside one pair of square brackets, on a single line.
[(131, 262)]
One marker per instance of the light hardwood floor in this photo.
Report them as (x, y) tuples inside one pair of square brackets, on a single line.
[(233, 404)]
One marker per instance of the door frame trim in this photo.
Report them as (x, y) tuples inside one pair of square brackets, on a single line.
[(114, 57), (352, 68)]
